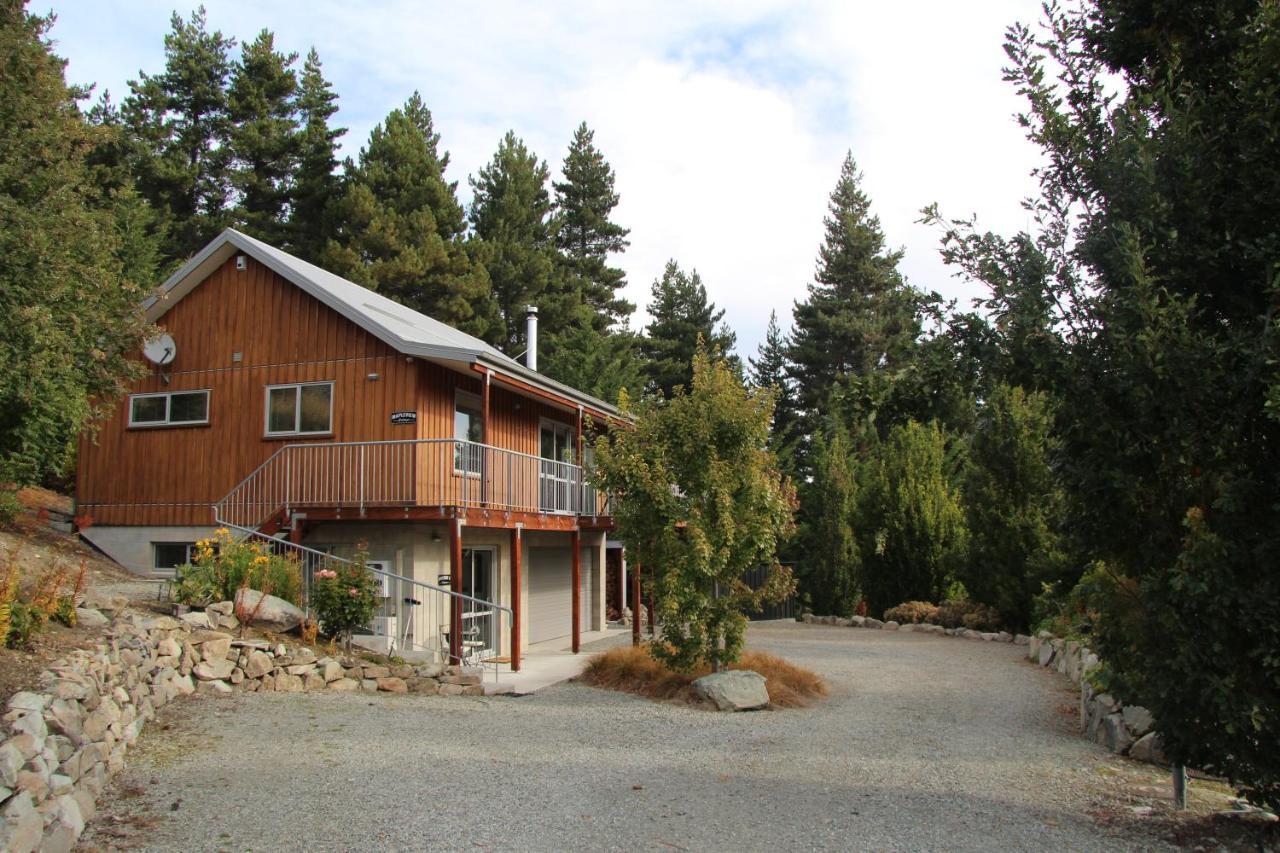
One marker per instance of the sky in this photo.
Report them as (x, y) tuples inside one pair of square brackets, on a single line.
[(725, 122)]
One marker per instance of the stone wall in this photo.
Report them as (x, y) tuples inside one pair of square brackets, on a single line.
[(62, 743), (1125, 730)]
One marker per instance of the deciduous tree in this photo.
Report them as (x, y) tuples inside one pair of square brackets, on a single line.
[(701, 501)]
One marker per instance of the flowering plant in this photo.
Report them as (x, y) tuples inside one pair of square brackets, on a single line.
[(344, 597), (222, 564)]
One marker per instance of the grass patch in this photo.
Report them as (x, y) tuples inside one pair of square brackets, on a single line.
[(631, 669)]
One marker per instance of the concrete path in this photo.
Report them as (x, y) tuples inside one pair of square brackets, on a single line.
[(926, 743)]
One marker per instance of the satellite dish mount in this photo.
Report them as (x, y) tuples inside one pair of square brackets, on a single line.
[(161, 351)]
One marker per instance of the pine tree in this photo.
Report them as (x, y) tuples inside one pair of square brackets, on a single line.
[(769, 370), (263, 139), (511, 214), (681, 317), (71, 321), (316, 183), (399, 229), (859, 315), (586, 236), (601, 364), (179, 122)]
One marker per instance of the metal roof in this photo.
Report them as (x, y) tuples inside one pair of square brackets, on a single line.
[(402, 328)]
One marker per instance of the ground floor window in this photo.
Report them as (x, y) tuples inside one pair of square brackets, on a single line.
[(167, 556)]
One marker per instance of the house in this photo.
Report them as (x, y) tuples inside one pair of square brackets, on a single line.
[(288, 402)]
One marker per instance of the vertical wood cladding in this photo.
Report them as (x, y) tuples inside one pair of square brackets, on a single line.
[(172, 475)]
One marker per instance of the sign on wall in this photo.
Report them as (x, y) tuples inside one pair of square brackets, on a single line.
[(404, 417)]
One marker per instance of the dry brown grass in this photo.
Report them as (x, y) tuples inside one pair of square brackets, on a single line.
[(632, 669)]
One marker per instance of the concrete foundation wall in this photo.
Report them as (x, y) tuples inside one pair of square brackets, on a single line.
[(131, 546)]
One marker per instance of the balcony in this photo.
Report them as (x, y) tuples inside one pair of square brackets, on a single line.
[(441, 474)]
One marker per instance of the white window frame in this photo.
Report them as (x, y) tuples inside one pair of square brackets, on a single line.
[(472, 402), (168, 404), (191, 550), (297, 409)]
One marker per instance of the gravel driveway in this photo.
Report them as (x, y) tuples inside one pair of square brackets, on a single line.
[(925, 743)]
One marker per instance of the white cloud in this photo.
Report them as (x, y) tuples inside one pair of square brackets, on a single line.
[(725, 122)]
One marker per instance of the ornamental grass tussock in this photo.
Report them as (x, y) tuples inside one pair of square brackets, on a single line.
[(633, 669)]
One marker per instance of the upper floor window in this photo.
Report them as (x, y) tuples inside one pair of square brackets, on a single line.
[(172, 408), (302, 409)]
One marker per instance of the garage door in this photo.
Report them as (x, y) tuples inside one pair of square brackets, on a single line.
[(550, 605)]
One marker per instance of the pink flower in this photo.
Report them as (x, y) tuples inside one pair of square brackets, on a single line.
[(327, 574), (354, 592)]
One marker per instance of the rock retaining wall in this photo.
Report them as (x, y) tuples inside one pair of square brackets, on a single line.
[(62, 742), (1125, 730)]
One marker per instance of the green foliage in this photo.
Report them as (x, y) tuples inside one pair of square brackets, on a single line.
[(859, 316), (511, 214), (682, 320), (400, 230), (913, 613), (912, 533), (600, 364), (1012, 504), (834, 575), (67, 294), (343, 597), (586, 236), (701, 501), (315, 184), (179, 125), (224, 564), (25, 621), (1155, 244), (263, 138)]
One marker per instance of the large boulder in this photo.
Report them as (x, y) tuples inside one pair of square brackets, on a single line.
[(1138, 720), (733, 690), (274, 614), (1148, 749)]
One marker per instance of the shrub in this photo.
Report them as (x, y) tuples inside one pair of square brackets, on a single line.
[(52, 597), (223, 565), (343, 597), (968, 614), (910, 612)]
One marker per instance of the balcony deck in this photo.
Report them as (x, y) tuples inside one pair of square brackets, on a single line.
[(415, 479)]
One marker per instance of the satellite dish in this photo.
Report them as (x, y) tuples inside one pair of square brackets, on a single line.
[(161, 350)]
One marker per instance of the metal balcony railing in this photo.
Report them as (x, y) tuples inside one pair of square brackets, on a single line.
[(443, 473)]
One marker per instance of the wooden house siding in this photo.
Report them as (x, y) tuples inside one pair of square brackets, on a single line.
[(171, 475)]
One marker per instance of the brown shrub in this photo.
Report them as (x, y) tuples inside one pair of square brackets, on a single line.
[(631, 669), (968, 614), (912, 612)]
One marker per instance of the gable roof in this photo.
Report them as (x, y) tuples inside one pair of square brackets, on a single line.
[(405, 330)]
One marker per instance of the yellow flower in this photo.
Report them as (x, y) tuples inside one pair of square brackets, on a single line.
[(261, 561)]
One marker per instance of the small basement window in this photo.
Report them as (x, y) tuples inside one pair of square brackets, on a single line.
[(173, 408), (304, 409), (167, 556)]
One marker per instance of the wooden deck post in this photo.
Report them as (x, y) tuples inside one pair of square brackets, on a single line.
[(484, 438), (455, 584), (516, 610), (575, 546), (635, 605)]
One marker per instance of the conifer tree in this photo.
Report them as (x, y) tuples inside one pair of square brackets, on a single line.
[(586, 236), (71, 319), (681, 317), (601, 364), (400, 230), (511, 214), (833, 565), (180, 124), (769, 370), (263, 139), (316, 182), (859, 315)]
